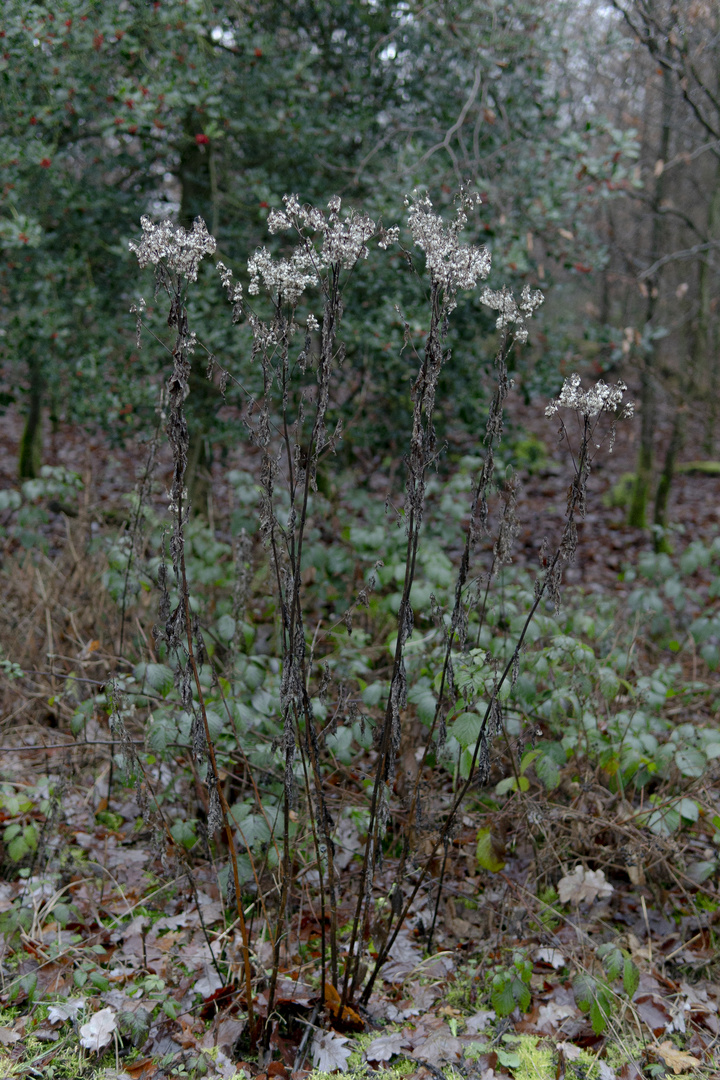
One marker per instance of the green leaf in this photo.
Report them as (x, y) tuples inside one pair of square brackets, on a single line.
[(691, 762), (547, 772), (612, 960), (29, 985), (215, 723), (508, 1058), (62, 914), (663, 822), (371, 694), (17, 849), (598, 1019), (702, 870), (689, 809), (466, 728), (80, 978), (486, 853), (527, 760), (101, 981), (584, 991), (159, 677), (508, 784), (226, 628), (631, 977), (183, 833), (522, 995), (501, 995)]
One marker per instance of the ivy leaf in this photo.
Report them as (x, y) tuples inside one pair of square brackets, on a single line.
[(691, 762)]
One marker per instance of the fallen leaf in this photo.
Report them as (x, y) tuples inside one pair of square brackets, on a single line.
[(675, 1059), (570, 1050), (553, 957), (98, 1032), (385, 1046), (208, 985), (344, 1015), (8, 1036), (654, 1014), (550, 1015), (479, 1021), (66, 1010), (441, 1048), (584, 886), (329, 1052)]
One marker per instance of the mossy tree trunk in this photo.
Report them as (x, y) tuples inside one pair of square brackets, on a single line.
[(30, 455), (677, 440), (707, 336)]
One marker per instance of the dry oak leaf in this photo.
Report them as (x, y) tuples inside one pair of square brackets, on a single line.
[(584, 886), (98, 1032), (675, 1059)]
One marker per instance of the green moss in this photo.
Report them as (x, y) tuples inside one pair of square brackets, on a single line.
[(621, 493)]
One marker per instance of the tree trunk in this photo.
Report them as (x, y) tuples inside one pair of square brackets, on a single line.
[(30, 455), (637, 515), (662, 494), (705, 355)]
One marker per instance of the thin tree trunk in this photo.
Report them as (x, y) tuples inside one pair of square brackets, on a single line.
[(637, 515), (30, 455), (705, 354), (677, 440)]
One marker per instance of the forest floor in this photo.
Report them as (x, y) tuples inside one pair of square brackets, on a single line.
[(123, 966)]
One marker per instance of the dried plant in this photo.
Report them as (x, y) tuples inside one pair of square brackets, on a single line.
[(299, 358)]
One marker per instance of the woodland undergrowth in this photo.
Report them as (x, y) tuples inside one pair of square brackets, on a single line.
[(312, 718)]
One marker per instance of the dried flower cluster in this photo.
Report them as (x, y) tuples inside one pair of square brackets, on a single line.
[(343, 241), (512, 312), (179, 250), (452, 265), (284, 279), (599, 398)]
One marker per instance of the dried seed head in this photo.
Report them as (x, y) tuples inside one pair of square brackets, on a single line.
[(180, 251)]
